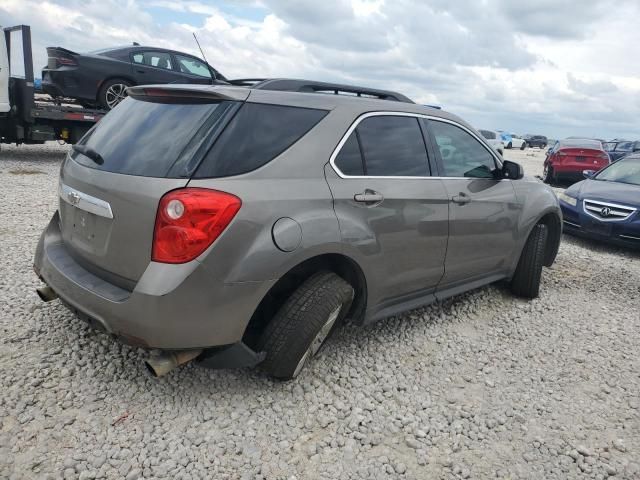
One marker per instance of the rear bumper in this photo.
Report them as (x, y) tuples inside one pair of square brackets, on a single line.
[(197, 311), (573, 170), (67, 83)]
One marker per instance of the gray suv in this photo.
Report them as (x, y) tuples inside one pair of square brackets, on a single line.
[(239, 225)]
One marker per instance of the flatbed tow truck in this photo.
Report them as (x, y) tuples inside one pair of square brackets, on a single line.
[(27, 117)]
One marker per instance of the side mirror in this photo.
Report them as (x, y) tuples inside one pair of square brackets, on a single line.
[(588, 173), (512, 170)]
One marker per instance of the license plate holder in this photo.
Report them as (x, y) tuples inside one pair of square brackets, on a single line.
[(598, 228), (84, 225)]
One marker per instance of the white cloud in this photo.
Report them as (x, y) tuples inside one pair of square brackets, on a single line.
[(542, 66)]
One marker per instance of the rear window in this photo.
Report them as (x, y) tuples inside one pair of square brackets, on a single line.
[(256, 135), (581, 143), (487, 134), (147, 138)]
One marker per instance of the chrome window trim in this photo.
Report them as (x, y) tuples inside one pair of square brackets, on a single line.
[(631, 237), (385, 113), (631, 210), (84, 201), (572, 224)]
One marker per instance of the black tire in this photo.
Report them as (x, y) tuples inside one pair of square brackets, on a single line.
[(303, 323), (526, 280), (548, 176), (509, 145), (523, 146), (110, 90)]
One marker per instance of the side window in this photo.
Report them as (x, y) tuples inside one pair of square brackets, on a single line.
[(393, 146), (462, 155), (192, 66), (257, 134), (349, 160), (153, 59)]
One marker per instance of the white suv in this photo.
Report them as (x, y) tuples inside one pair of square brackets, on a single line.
[(494, 139)]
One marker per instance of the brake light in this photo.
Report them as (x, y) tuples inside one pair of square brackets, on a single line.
[(66, 61), (188, 221)]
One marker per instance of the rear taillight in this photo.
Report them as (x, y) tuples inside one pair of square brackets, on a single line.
[(188, 221), (66, 61)]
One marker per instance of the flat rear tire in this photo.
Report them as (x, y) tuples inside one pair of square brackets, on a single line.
[(303, 323)]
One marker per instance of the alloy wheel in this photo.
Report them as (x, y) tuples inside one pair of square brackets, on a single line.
[(318, 340), (115, 94)]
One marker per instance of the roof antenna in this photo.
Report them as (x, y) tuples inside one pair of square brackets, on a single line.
[(204, 58)]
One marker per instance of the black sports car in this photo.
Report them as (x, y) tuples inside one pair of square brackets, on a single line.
[(100, 78)]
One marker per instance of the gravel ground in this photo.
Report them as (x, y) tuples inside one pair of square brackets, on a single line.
[(483, 386)]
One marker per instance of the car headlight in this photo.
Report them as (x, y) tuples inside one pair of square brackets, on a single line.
[(568, 199)]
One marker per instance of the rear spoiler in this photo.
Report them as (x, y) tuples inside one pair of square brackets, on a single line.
[(51, 50), (193, 92)]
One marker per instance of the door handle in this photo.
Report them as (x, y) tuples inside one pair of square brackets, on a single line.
[(461, 199), (368, 197), (140, 71)]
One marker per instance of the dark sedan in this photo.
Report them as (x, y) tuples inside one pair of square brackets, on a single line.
[(539, 141), (101, 78), (605, 205)]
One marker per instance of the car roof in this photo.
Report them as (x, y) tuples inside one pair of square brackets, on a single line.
[(327, 101), (581, 142), (141, 48)]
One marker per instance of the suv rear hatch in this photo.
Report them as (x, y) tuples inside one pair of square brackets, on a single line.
[(112, 181)]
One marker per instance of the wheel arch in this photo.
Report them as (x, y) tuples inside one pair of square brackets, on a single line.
[(553, 223), (340, 264), (114, 77)]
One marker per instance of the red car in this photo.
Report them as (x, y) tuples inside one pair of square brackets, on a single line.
[(570, 157)]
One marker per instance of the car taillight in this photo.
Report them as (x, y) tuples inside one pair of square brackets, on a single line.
[(66, 61), (188, 221)]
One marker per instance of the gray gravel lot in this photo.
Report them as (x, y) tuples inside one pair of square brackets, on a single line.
[(483, 386)]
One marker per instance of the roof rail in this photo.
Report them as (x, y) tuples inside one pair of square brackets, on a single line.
[(311, 86)]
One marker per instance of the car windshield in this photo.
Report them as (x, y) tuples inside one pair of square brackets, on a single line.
[(609, 146), (624, 147), (624, 171)]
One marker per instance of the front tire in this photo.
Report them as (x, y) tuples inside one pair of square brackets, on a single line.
[(523, 146), (526, 280), (509, 145), (303, 323), (548, 175), (113, 92)]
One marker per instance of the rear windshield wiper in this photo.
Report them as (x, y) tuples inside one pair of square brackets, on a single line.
[(89, 153)]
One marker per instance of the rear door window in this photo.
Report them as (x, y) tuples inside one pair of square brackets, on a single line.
[(147, 138), (256, 135), (349, 161), (153, 59), (393, 146)]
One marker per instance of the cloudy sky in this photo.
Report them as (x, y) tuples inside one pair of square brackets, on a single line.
[(555, 67)]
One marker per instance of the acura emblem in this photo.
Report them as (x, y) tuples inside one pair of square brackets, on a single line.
[(605, 211), (73, 197)]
